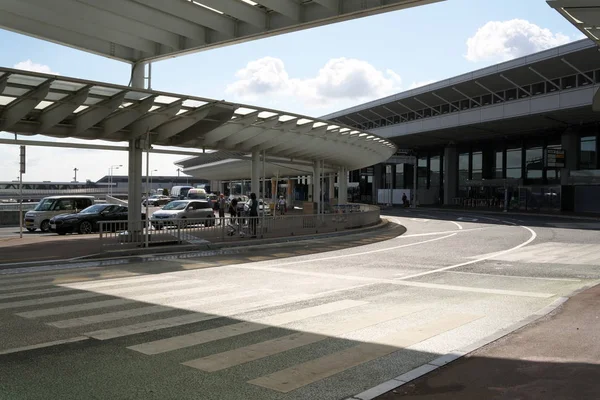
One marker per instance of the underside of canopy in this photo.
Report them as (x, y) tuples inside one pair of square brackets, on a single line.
[(147, 30), (583, 14), (56, 106)]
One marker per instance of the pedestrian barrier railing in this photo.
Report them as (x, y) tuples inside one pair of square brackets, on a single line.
[(228, 229)]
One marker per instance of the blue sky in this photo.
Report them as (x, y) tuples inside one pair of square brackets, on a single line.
[(312, 72)]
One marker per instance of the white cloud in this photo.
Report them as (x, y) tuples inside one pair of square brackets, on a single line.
[(339, 79), (29, 65), (505, 40)]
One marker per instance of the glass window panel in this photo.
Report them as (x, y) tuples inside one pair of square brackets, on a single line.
[(15, 91), (422, 173), (477, 160), (399, 176), (136, 95), (53, 96), (26, 80), (588, 157), (513, 163), (463, 168), (434, 171), (499, 165), (534, 159)]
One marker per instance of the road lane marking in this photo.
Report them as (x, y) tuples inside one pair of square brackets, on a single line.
[(460, 227), (132, 280), (34, 293), (111, 333), (197, 338), (439, 233), (43, 345), (310, 335), (514, 276), (208, 298), (486, 257), (362, 253), (49, 300), (295, 377), (75, 308), (397, 281)]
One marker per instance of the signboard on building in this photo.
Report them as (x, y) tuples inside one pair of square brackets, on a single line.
[(555, 158)]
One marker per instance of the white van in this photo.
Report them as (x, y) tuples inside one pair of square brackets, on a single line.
[(39, 217), (180, 192), (196, 194)]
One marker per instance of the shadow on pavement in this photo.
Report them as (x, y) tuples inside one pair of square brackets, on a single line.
[(233, 343)]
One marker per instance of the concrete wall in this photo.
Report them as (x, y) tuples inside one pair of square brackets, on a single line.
[(9, 218)]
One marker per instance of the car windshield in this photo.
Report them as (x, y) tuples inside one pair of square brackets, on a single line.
[(45, 205), (184, 191), (176, 205), (95, 209)]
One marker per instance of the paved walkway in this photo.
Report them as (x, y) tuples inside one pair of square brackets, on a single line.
[(557, 357)]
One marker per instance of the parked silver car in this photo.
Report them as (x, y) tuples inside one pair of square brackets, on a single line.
[(196, 211)]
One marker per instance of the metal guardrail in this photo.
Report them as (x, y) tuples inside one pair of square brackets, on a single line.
[(15, 206), (217, 230), (47, 192)]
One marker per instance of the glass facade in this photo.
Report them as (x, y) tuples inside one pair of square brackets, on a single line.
[(588, 153), (499, 165), (435, 171), (463, 169), (513, 163), (477, 165), (534, 163), (422, 173)]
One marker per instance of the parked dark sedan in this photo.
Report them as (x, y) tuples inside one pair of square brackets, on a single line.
[(87, 221)]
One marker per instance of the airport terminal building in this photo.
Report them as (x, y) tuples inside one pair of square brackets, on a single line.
[(522, 134)]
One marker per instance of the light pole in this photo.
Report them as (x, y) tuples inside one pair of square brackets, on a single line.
[(154, 170), (75, 178), (110, 173), (178, 171)]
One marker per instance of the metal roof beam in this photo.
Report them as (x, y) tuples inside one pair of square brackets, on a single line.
[(428, 106), (240, 10), (126, 116), (24, 105), (388, 119), (183, 122), (289, 8), (446, 101), (194, 13), (544, 78), (98, 15), (152, 18), (223, 132), (246, 133), (411, 110), (154, 119), (514, 84), (470, 98), (577, 70), (93, 115), (494, 94), (333, 5), (64, 37), (394, 113), (59, 111), (3, 81), (45, 11)]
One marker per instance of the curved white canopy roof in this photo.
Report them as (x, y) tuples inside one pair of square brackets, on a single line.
[(33, 104), (583, 14), (146, 30)]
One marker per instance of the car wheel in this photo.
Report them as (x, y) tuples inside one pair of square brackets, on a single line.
[(45, 226), (85, 228), (62, 233), (31, 229)]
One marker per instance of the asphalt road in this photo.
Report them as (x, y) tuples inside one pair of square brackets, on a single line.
[(282, 325)]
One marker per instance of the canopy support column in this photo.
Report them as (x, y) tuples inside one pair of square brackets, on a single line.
[(255, 183), (134, 213), (342, 186), (317, 184)]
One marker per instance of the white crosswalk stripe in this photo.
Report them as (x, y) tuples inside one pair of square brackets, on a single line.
[(74, 308), (196, 338), (49, 300)]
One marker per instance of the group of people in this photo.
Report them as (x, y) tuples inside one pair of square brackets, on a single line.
[(221, 206)]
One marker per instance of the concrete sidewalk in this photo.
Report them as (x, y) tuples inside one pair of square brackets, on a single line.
[(556, 357)]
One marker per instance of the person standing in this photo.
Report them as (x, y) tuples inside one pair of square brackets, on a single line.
[(253, 214), (222, 205), (233, 211)]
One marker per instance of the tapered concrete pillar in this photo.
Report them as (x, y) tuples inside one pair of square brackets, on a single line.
[(317, 185), (135, 167), (450, 174), (342, 186), (331, 188), (255, 184), (569, 144)]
